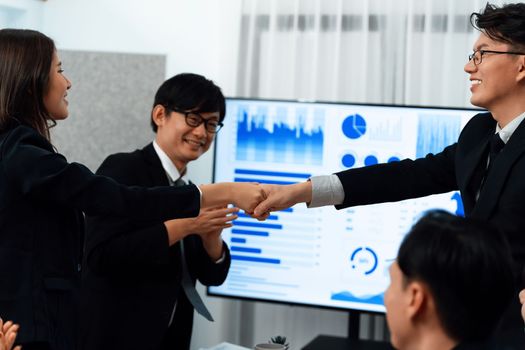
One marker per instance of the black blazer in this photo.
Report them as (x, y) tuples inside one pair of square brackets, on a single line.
[(132, 279), (42, 198)]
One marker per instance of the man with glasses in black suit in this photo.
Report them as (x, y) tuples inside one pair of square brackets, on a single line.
[(140, 279)]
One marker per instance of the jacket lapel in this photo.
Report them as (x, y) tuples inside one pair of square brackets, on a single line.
[(471, 166), (155, 169), (499, 173)]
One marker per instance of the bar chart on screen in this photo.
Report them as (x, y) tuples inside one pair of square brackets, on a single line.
[(280, 135)]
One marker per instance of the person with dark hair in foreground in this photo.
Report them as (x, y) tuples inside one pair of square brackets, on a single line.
[(128, 279), (450, 284), (486, 164)]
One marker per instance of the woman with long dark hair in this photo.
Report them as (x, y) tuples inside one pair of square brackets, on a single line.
[(43, 197)]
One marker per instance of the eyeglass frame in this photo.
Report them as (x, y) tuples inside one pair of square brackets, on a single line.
[(472, 56), (202, 119)]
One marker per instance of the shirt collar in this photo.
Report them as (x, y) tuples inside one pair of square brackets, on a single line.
[(167, 165), (509, 129)]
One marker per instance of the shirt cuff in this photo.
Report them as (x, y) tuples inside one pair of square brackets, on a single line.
[(222, 258), (326, 190), (200, 195)]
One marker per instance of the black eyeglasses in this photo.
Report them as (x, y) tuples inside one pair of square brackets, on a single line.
[(194, 119), (477, 56)]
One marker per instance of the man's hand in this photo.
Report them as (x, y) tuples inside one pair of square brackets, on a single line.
[(209, 225), (210, 221), (281, 197), (247, 195)]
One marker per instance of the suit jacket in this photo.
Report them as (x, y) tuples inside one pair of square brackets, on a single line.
[(501, 200), (42, 198), (133, 277)]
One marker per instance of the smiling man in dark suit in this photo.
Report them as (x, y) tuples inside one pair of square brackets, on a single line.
[(140, 278), (487, 163)]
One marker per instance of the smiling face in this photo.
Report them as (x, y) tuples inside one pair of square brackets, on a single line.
[(56, 91), (496, 79), (181, 142)]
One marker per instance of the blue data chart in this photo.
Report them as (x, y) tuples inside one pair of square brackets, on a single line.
[(386, 129), (264, 137), (369, 299), (354, 126), (348, 160), (243, 249), (269, 177), (253, 241), (280, 240), (364, 260), (435, 132), (393, 159), (371, 160), (263, 251)]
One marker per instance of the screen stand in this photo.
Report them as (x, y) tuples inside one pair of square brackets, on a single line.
[(352, 342), (353, 324)]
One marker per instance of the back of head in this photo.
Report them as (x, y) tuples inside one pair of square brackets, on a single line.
[(467, 266), (25, 63), (190, 92), (504, 24)]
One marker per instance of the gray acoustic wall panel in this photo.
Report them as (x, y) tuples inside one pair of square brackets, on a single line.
[(109, 104)]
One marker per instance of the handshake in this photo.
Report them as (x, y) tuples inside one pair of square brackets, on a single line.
[(257, 200)]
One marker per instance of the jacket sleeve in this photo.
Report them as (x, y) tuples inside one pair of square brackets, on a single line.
[(400, 180), (201, 267), (122, 245), (34, 169), (119, 246)]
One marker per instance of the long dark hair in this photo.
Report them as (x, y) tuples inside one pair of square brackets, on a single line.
[(25, 63)]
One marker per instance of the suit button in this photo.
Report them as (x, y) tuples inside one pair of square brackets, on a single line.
[(79, 267)]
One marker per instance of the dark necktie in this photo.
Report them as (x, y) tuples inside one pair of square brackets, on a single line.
[(496, 145), (187, 283)]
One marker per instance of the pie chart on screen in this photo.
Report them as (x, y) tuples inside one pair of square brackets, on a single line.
[(354, 126)]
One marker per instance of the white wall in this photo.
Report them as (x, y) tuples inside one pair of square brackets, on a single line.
[(20, 13), (192, 33)]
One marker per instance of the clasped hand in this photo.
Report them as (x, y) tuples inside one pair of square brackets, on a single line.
[(258, 200)]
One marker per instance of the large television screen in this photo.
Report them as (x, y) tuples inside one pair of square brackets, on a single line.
[(324, 257)]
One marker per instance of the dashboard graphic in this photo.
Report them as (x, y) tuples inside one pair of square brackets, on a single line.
[(324, 257), (354, 126), (271, 136)]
